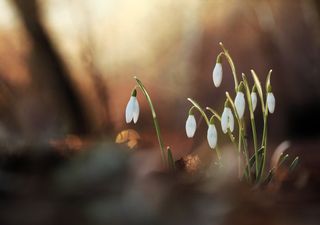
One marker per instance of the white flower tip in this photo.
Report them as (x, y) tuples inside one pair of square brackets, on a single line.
[(217, 74), (254, 100), (191, 126), (212, 136), (240, 104), (227, 121), (132, 110), (271, 102)]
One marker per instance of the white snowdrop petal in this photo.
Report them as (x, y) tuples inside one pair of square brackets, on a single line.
[(230, 120), (224, 120), (271, 102), (191, 126), (129, 109), (240, 104), (212, 136), (217, 74), (136, 111), (254, 100)]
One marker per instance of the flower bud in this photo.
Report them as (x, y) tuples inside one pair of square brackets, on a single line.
[(227, 120), (217, 74), (254, 100), (240, 103), (132, 109), (212, 136), (271, 102), (191, 126)]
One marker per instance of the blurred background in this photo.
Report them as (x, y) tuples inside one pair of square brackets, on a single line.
[(67, 67)]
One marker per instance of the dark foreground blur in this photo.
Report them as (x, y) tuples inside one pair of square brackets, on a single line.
[(102, 185)]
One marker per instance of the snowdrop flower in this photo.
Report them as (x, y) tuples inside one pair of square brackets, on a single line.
[(271, 102), (191, 125), (254, 100), (212, 136), (132, 109), (240, 103), (227, 120), (217, 74)]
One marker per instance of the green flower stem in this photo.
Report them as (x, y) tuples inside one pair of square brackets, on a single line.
[(233, 68), (219, 118), (198, 107), (246, 152), (264, 141), (241, 135), (154, 117), (265, 128), (253, 125), (204, 115), (214, 113), (218, 154)]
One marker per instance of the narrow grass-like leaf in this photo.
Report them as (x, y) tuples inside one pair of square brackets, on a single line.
[(294, 164), (259, 88), (268, 79), (282, 160), (269, 176), (171, 163)]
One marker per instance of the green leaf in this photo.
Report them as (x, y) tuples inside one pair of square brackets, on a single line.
[(259, 88), (171, 163), (294, 164), (268, 80), (283, 159), (269, 176), (252, 160)]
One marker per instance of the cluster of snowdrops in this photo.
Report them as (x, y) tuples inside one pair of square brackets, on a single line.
[(250, 167)]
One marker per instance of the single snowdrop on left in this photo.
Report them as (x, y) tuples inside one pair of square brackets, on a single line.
[(132, 109)]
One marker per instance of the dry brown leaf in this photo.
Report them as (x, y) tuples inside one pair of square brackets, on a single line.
[(128, 136)]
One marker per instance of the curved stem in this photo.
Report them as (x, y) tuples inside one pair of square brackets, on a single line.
[(204, 115), (232, 139), (214, 113), (233, 68), (154, 117), (198, 107)]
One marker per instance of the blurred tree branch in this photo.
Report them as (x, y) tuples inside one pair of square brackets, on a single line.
[(48, 70)]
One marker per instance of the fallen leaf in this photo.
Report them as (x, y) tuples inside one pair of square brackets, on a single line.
[(128, 136)]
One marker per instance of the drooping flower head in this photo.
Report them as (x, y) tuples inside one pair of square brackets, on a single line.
[(212, 135), (132, 109), (239, 101), (271, 102), (191, 124), (227, 120), (217, 72), (254, 98)]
